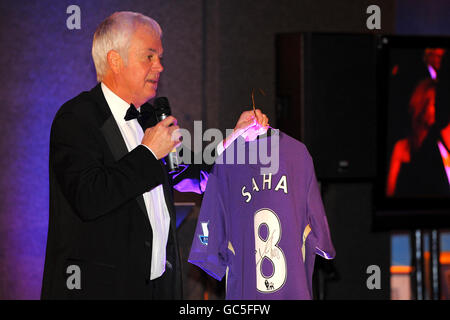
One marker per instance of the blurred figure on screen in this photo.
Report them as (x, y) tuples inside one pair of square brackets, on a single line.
[(428, 173), (444, 149), (422, 113)]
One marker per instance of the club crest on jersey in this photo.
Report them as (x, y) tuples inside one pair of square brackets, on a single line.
[(204, 237), (269, 285)]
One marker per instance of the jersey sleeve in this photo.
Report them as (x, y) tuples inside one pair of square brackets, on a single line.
[(209, 250), (318, 220)]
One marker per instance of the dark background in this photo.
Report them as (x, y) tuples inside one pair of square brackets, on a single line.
[(215, 53)]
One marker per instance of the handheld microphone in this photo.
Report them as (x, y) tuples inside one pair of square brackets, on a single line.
[(162, 110)]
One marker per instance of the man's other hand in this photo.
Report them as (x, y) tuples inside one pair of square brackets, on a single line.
[(247, 120)]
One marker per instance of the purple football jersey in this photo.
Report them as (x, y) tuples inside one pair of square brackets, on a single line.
[(262, 230)]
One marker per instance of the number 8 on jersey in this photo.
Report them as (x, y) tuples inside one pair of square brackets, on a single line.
[(271, 270)]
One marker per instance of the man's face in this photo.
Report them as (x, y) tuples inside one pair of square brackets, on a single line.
[(140, 76), (434, 57)]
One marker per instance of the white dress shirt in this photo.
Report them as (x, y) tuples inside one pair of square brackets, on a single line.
[(155, 202)]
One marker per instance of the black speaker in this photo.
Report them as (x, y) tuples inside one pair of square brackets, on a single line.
[(359, 249), (326, 98)]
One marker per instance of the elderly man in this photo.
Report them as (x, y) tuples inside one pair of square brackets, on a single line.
[(112, 219)]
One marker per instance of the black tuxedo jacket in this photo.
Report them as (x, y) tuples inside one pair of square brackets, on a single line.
[(98, 221)]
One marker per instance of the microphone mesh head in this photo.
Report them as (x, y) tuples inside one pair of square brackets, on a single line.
[(161, 106)]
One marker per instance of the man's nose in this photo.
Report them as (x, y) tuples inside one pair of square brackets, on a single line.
[(158, 66)]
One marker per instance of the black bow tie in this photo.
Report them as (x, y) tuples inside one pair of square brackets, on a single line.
[(146, 117)]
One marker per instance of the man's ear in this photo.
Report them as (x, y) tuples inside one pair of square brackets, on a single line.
[(115, 61)]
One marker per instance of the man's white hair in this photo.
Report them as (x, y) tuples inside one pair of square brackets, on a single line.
[(115, 33)]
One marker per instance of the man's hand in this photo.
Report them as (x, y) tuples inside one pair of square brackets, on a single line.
[(163, 137), (247, 120), (248, 126)]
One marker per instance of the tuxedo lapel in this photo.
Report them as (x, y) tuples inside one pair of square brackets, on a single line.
[(118, 148), (113, 137)]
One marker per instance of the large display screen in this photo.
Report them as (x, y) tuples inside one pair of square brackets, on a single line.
[(413, 90)]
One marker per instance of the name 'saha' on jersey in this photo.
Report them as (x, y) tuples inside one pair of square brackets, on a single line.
[(265, 184)]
